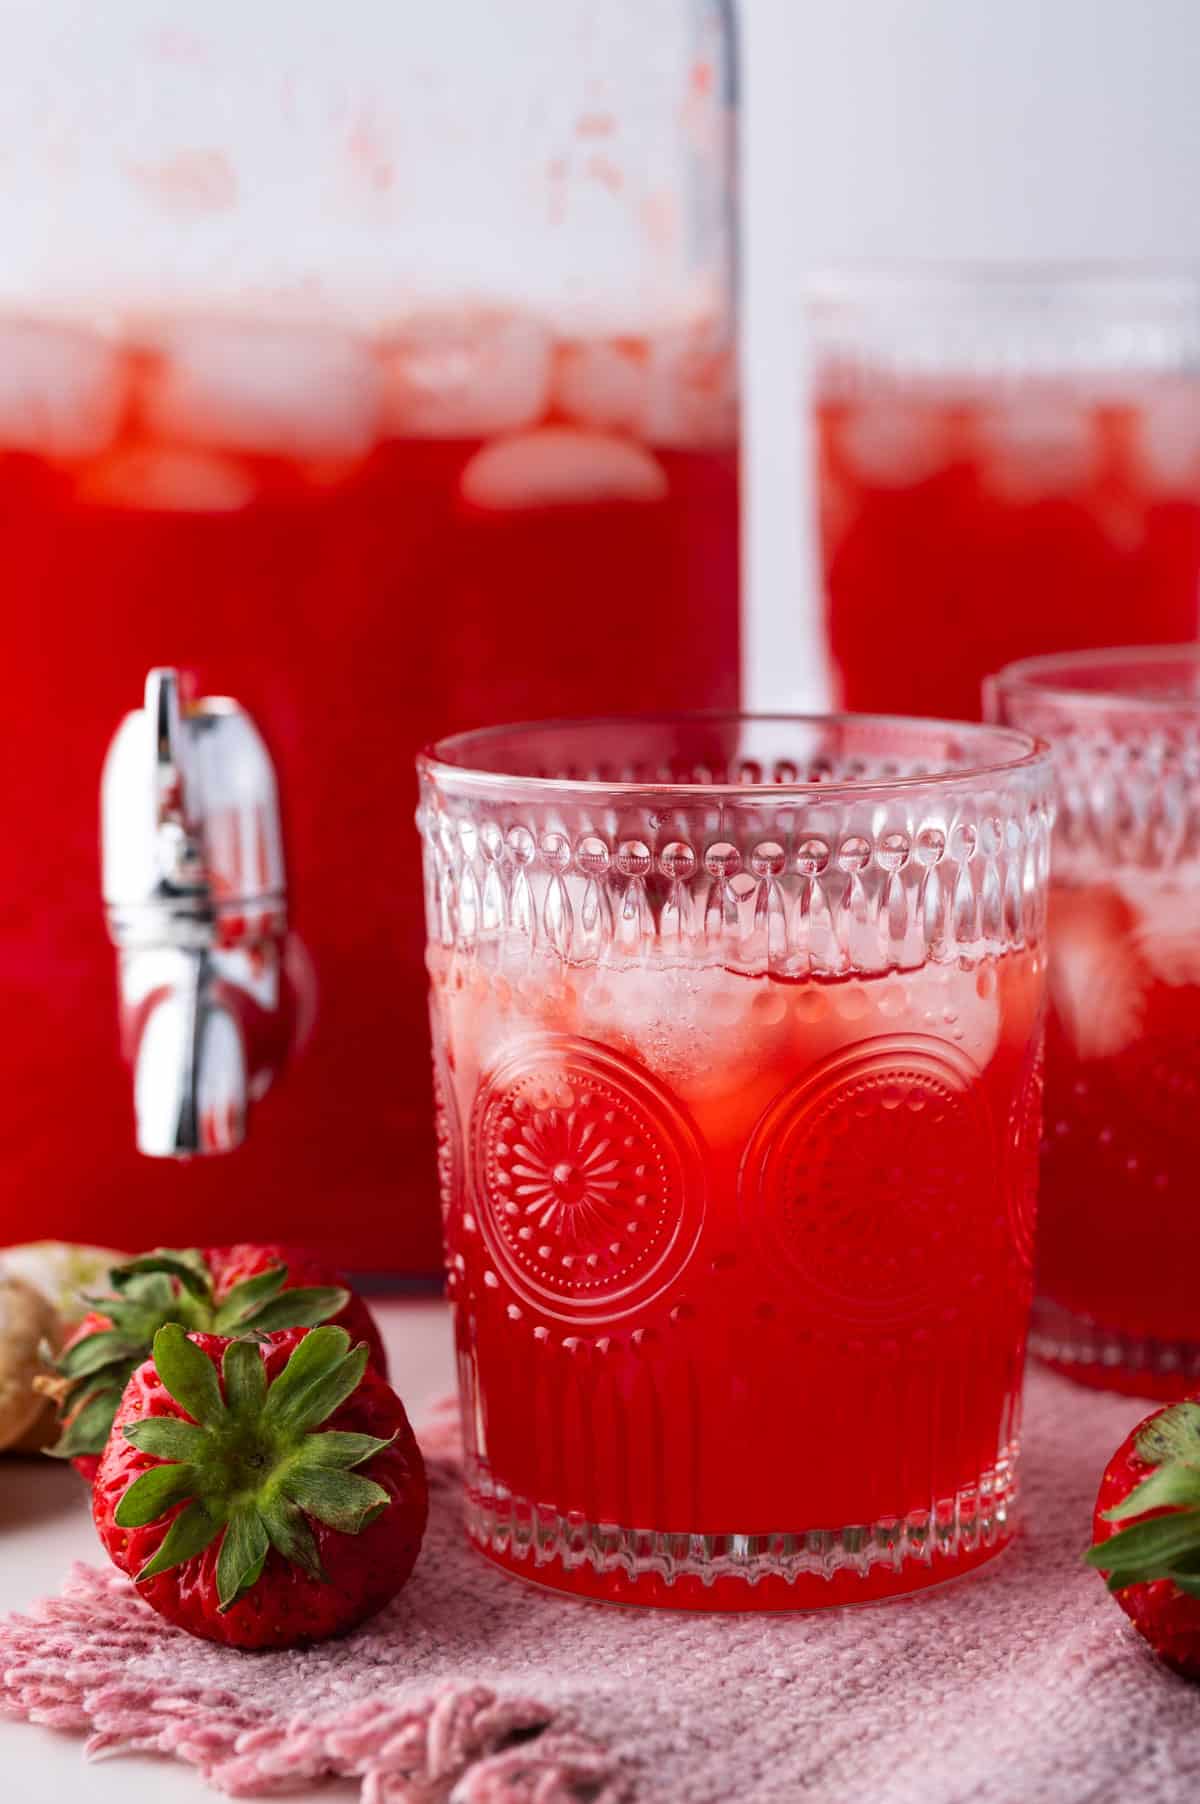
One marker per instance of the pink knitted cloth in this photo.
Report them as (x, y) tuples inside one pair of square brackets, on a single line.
[(1024, 1683)]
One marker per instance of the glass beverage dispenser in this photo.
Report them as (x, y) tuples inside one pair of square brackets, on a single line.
[(364, 376)]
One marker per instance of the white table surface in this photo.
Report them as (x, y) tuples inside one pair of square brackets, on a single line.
[(45, 1524)]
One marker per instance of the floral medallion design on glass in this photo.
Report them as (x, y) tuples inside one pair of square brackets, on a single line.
[(881, 1239), (589, 1178)]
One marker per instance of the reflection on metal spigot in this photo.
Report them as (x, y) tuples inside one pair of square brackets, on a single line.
[(195, 897), (189, 1075)]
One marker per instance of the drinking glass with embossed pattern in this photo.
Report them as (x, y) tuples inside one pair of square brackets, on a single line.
[(1119, 1242), (737, 1049)]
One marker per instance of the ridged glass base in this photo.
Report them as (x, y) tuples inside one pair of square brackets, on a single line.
[(802, 1570), (1107, 1359)]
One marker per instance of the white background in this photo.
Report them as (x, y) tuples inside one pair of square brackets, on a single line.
[(936, 129)]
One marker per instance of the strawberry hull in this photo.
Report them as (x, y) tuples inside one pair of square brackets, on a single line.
[(286, 1607), (1167, 1617), (227, 1268)]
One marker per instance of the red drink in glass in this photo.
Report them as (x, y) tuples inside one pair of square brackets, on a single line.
[(1002, 469), (365, 543), (857, 1108), (739, 1142), (1119, 1233), (1120, 1236)]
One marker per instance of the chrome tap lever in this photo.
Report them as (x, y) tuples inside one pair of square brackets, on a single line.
[(195, 896), (180, 858)]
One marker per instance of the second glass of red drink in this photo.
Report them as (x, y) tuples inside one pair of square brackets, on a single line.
[(1120, 1231), (1008, 464)]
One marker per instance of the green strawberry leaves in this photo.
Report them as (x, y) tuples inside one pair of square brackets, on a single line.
[(1171, 1487), (165, 1438), (340, 1500), (252, 1461), (169, 1285), (342, 1450), (188, 1268), (95, 1371), (248, 1295), (95, 1351), (309, 1360), (291, 1536), (189, 1375), (242, 1557), (1173, 1435), (245, 1378), (300, 1308), (1148, 1550), (153, 1493), (302, 1406), (1167, 1546), (188, 1535), (90, 1423), (262, 1303)]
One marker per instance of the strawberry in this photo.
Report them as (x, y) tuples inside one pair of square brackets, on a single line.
[(261, 1493), (217, 1289), (1147, 1529), (306, 1270)]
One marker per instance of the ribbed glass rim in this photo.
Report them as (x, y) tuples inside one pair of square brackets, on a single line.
[(886, 282), (1048, 678), (450, 761), (1012, 322)]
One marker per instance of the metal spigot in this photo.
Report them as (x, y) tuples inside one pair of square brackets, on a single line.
[(195, 898)]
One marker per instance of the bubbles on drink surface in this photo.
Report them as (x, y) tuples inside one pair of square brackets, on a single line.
[(716, 1037)]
